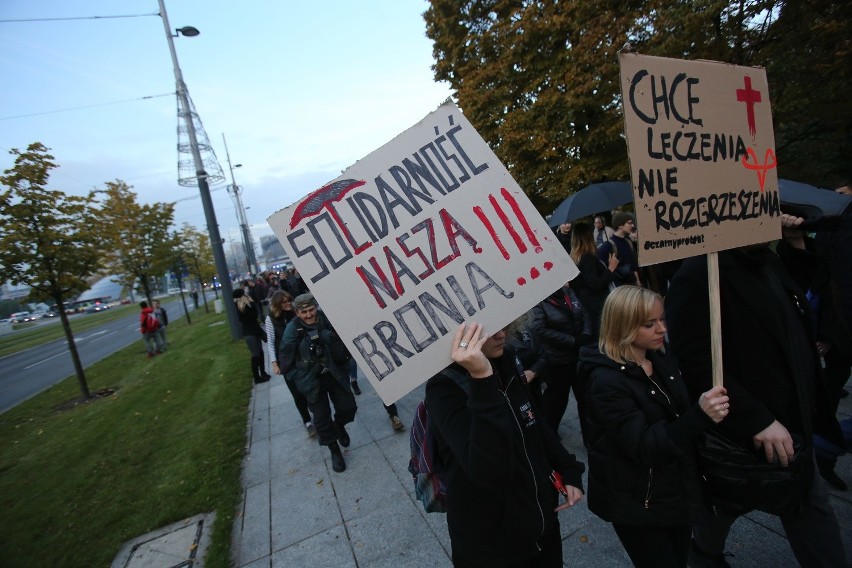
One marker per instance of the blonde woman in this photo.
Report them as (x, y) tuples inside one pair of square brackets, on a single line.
[(641, 431)]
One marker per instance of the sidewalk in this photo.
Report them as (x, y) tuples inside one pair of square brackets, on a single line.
[(297, 512)]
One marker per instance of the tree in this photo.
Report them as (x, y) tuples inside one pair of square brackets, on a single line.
[(198, 255), (540, 79), (138, 234), (48, 240)]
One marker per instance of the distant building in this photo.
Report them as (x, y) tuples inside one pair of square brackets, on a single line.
[(9, 291), (272, 252)]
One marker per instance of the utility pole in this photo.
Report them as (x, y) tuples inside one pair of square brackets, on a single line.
[(201, 176), (245, 230)]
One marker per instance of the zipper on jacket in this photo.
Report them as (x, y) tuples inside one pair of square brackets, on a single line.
[(526, 455), (648, 492), (653, 382)]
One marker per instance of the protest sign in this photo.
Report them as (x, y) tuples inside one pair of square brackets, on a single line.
[(426, 232), (702, 156)]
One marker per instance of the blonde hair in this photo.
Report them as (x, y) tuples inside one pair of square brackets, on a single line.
[(243, 302), (276, 302), (625, 310)]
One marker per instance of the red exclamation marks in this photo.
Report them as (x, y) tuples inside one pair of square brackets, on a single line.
[(513, 232)]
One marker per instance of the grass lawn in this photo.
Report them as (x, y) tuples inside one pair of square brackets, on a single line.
[(77, 481)]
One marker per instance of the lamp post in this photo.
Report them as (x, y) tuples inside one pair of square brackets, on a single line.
[(201, 175), (235, 190)]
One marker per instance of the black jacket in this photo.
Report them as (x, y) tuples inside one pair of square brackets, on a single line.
[(559, 324), (766, 379), (641, 433), (592, 288), (496, 457)]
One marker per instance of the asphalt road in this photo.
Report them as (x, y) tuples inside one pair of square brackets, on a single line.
[(27, 373)]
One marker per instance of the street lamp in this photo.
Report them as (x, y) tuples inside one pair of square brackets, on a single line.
[(235, 190), (201, 175)]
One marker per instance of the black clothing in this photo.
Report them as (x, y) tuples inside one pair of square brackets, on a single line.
[(592, 288), (641, 433), (770, 366), (560, 327), (249, 322), (626, 255), (652, 547), (496, 458)]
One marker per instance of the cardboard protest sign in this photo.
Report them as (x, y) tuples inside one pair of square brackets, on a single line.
[(426, 232), (702, 156)]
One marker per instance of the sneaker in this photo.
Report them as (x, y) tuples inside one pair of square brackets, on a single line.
[(397, 423), (355, 388), (698, 559), (342, 436), (312, 430)]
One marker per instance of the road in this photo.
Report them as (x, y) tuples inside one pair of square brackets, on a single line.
[(27, 373)]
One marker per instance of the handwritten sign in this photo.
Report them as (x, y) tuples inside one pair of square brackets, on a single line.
[(702, 156), (426, 232)]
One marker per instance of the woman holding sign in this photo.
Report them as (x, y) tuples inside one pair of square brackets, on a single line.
[(641, 431)]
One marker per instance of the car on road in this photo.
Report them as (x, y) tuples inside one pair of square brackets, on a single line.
[(20, 317)]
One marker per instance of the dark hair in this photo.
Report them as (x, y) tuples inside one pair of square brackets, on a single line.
[(143, 304), (582, 242)]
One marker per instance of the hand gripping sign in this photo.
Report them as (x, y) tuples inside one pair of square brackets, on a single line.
[(426, 232)]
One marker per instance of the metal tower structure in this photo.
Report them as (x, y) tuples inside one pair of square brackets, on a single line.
[(187, 174), (245, 230)]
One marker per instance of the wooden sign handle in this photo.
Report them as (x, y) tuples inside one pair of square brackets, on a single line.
[(715, 317)]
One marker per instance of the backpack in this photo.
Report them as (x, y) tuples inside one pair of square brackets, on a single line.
[(151, 323), (424, 466)]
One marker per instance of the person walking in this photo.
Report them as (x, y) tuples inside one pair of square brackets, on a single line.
[(163, 317), (148, 326), (641, 432), (595, 279), (500, 462), (280, 314), (307, 352), (253, 335)]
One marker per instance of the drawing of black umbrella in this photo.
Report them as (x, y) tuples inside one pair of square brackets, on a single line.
[(315, 202), (811, 202), (594, 198)]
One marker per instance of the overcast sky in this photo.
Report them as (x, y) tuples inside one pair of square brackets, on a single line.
[(301, 90)]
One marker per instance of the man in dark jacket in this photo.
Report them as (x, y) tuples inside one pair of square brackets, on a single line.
[(306, 353), (497, 459), (771, 372)]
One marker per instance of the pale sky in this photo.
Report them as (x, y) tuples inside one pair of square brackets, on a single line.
[(301, 90)]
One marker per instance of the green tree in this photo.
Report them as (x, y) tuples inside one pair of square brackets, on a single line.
[(540, 79), (48, 240), (196, 252), (138, 235)]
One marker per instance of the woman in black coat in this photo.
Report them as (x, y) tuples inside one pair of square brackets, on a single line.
[(560, 327), (253, 334), (641, 431), (593, 282)]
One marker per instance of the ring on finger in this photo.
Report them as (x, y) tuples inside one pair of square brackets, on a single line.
[(463, 344)]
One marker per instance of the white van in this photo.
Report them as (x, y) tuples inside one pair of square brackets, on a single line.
[(18, 317)]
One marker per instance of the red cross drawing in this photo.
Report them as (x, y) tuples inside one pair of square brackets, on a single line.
[(749, 97)]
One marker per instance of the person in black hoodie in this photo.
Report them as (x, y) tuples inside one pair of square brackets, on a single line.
[(497, 459), (560, 327), (641, 431), (253, 334)]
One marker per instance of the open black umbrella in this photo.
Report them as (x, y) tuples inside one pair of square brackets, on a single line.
[(594, 198), (812, 202)]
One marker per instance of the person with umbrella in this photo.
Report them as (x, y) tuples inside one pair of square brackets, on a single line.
[(620, 245)]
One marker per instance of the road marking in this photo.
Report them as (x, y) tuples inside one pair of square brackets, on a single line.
[(46, 360), (90, 336)]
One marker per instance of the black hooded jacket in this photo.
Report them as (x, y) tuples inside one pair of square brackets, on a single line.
[(497, 456), (641, 433)]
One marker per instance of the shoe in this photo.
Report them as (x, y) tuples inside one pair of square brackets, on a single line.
[(261, 379), (265, 375), (698, 559), (342, 436), (355, 388), (397, 423), (833, 479), (337, 462), (312, 430)]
